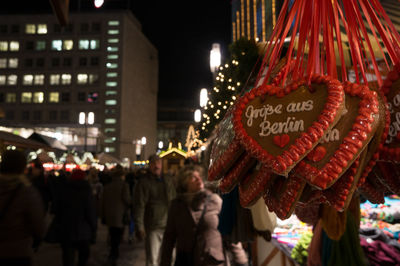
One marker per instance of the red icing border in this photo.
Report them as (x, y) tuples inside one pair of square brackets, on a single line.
[(251, 191), (370, 165), (352, 143), (216, 171), (229, 181), (307, 140), (339, 192)]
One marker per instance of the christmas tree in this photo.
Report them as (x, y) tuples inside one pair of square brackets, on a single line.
[(228, 84)]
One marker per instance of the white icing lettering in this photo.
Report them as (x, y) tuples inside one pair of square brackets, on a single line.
[(331, 135), (300, 106), (263, 112), (290, 125)]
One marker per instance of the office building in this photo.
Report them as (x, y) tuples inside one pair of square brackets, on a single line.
[(92, 84)]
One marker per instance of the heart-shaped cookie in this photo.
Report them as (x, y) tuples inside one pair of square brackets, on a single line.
[(377, 142), (253, 185), (391, 88), (301, 111), (346, 140), (340, 194), (225, 149), (282, 194), (373, 189)]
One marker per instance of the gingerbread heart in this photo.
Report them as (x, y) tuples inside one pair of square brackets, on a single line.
[(345, 142), (225, 149), (302, 111), (317, 154), (340, 194), (252, 186), (391, 88), (282, 194), (377, 142)]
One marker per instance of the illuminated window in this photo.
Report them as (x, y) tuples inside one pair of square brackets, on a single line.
[(112, 56), (111, 102), (112, 65), (111, 83), (113, 23), (112, 74), (113, 40), (38, 97), (40, 45), (12, 80), (14, 46), (54, 79), (92, 97), (13, 62), (109, 130), (11, 97), (113, 32), (56, 45), (110, 140), (26, 97), (3, 62), (68, 44), (39, 79), (65, 79), (82, 78), (94, 44), (93, 78), (2, 79), (41, 29), (111, 93), (83, 44), (3, 46), (109, 149), (112, 49), (27, 80), (54, 97), (30, 28)]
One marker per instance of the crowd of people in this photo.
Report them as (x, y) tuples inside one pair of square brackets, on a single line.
[(179, 218)]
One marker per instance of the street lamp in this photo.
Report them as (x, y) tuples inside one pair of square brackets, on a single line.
[(86, 119), (144, 141), (197, 115), (203, 97), (215, 57)]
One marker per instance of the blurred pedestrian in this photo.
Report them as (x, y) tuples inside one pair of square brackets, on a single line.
[(116, 201), (97, 188), (153, 194), (75, 213), (192, 223), (36, 175), (21, 212)]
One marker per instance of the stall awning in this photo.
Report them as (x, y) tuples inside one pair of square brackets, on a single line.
[(51, 142), (7, 138)]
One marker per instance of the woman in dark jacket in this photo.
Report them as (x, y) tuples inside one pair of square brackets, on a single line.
[(76, 214), (192, 223)]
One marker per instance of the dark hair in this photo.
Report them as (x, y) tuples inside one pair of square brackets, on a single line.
[(184, 174), (118, 170), (12, 162), (154, 158)]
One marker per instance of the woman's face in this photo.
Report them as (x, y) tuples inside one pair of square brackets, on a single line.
[(195, 183)]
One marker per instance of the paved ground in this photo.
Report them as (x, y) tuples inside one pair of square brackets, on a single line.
[(130, 254)]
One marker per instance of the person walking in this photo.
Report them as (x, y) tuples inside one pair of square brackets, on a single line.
[(115, 202), (22, 216), (192, 226), (76, 216), (153, 194)]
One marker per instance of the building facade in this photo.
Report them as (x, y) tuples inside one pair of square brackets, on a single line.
[(92, 84)]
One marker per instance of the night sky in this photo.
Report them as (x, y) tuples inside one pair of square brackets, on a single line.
[(182, 32)]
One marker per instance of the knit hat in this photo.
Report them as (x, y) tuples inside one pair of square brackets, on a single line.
[(78, 174)]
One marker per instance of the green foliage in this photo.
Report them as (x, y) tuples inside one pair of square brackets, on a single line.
[(228, 84), (300, 252)]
